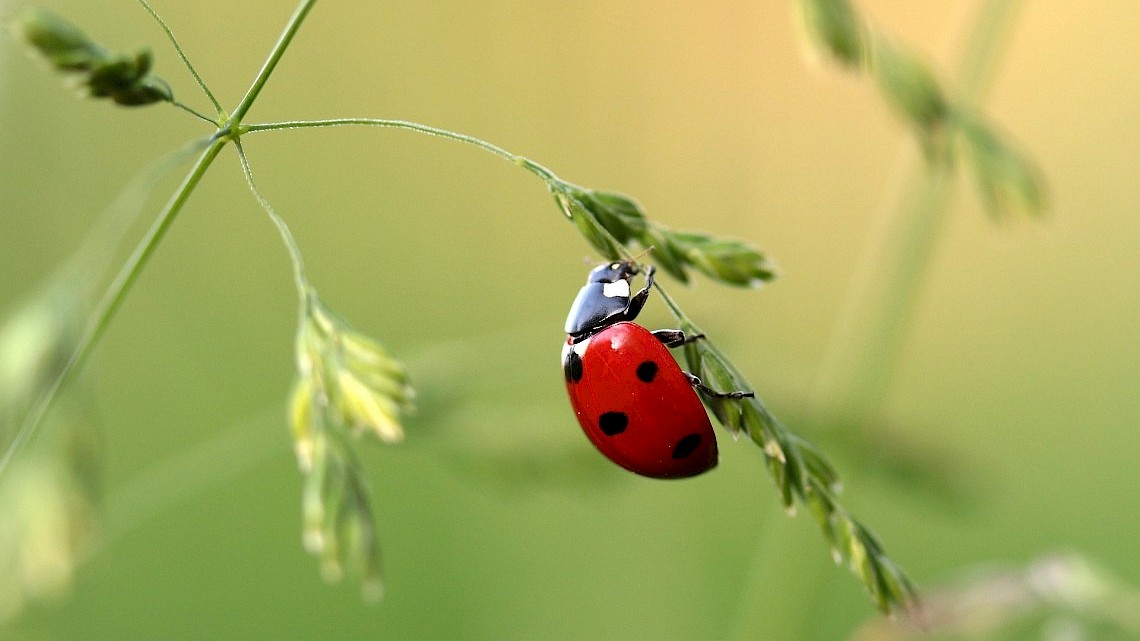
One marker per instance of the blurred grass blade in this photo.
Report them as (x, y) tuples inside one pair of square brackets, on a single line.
[(1007, 180), (910, 88), (35, 343), (49, 494), (834, 27), (998, 602), (50, 521), (61, 43), (125, 79)]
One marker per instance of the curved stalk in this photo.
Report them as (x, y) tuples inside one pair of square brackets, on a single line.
[(521, 161), (299, 278)]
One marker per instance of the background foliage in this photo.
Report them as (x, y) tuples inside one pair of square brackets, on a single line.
[(1016, 385)]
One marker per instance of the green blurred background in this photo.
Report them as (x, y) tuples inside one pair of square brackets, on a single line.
[(497, 519)]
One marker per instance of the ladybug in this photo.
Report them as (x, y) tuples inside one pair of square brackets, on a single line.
[(633, 401)]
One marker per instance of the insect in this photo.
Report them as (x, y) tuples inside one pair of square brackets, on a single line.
[(633, 401)]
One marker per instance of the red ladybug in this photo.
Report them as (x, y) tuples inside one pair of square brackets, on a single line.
[(632, 399)]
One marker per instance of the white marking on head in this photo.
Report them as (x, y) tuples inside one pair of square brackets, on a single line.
[(618, 289)]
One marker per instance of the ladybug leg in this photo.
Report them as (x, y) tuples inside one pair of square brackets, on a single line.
[(637, 301), (675, 337), (696, 382)]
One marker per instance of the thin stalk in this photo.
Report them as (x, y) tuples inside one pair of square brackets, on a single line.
[(295, 258), (112, 299), (185, 61), (192, 111), (521, 161), (275, 54), (862, 359)]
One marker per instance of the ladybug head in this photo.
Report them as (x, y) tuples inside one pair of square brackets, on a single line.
[(603, 300), (612, 272)]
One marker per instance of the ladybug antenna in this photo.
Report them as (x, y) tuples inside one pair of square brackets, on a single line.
[(636, 259)]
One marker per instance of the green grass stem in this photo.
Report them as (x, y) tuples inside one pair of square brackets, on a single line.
[(112, 299), (531, 166), (864, 352)]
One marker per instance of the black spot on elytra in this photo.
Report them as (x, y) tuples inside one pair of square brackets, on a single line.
[(647, 371), (572, 368), (686, 446), (613, 423)]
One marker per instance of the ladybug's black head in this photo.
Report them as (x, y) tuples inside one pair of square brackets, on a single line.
[(612, 272), (603, 300)]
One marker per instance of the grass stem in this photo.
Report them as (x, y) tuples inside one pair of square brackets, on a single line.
[(407, 125), (862, 358), (112, 299), (185, 61), (275, 55)]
